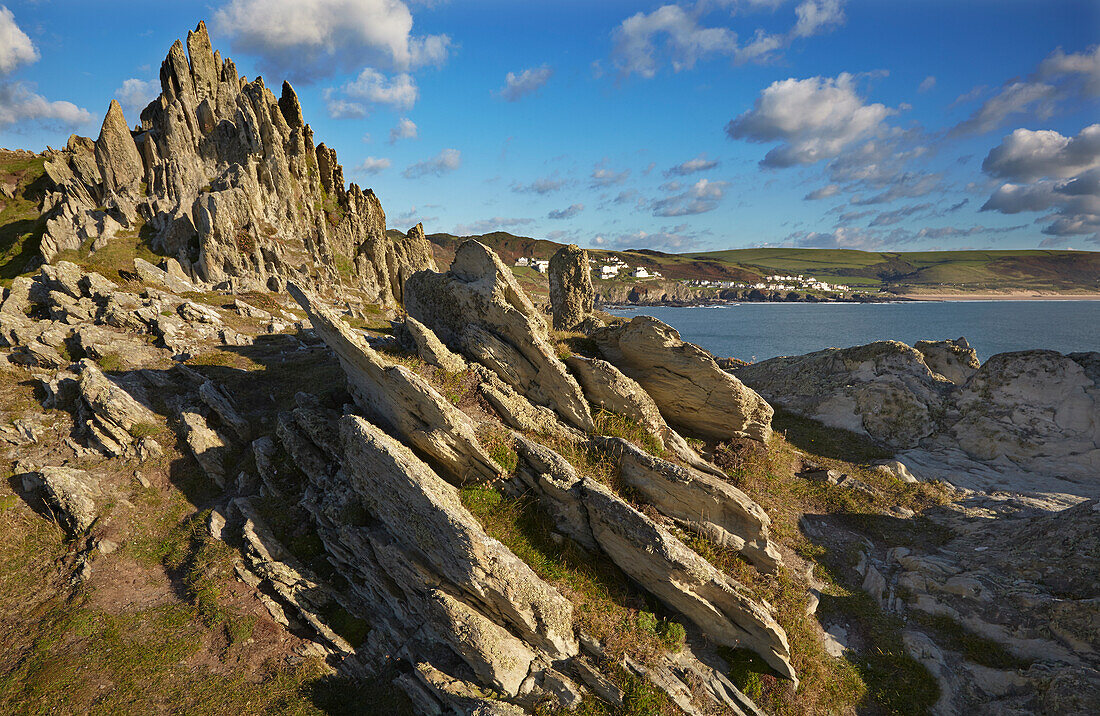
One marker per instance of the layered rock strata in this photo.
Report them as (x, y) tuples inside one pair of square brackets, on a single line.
[(478, 309), (224, 176), (685, 382)]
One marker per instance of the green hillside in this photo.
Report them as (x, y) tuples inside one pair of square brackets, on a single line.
[(899, 272)]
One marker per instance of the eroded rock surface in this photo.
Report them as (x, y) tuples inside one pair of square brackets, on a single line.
[(402, 399), (684, 381), (571, 293), (225, 178), (478, 309), (953, 359)]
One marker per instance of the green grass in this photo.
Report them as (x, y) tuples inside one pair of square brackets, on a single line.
[(21, 226)]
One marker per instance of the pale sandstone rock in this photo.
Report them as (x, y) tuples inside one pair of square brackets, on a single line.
[(401, 398), (685, 381), (954, 360), (208, 447), (704, 503), (431, 349), (571, 293), (478, 309), (592, 515), (71, 492)]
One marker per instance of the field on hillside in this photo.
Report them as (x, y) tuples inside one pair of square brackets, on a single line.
[(899, 272)]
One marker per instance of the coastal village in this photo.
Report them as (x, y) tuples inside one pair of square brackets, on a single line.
[(612, 267)]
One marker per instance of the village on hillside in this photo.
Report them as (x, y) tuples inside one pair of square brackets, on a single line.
[(612, 267)]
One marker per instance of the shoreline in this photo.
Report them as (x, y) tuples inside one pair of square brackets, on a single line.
[(877, 298)]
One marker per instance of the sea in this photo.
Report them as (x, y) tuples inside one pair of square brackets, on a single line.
[(758, 331)]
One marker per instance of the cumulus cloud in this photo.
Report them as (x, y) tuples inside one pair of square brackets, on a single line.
[(372, 86), (668, 239), (691, 166), (823, 193), (135, 94), (1051, 173), (906, 185), (567, 213), (413, 216), (814, 16), (496, 223), (517, 86), (404, 129), (19, 103), (1059, 78), (543, 185), (15, 47), (886, 218), (1027, 155), (685, 40), (927, 84), (681, 37), (812, 119), (604, 177), (870, 239), (446, 161), (701, 197), (373, 165), (308, 39)]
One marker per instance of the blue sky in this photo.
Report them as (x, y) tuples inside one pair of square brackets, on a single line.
[(693, 126)]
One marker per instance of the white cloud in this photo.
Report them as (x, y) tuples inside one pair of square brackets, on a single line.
[(446, 161), (680, 35), (886, 218), (1058, 79), (135, 95), (814, 16), (604, 177), (1027, 155), (543, 185), (530, 80), (15, 47), (812, 119), (340, 108), (677, 238), (18, 103), (701, 197), (373, 165), (306, 39), (691, 166), (372, 86), (823, 193), (496, 223), (404, 129), (637, 38), (567, 213), (927, 84), (1049, 173)]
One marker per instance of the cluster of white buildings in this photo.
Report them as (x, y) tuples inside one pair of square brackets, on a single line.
[(776, 283), (780, 282), (611, 267), (540, 265)]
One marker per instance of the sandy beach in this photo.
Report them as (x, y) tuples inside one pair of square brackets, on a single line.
[(1002, 296)]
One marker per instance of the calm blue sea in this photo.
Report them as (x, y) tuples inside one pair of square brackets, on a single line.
[(757, 331)]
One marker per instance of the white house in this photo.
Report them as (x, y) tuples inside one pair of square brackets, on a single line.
[(609, 271), (541, 265), (523, 261), (640, 272)]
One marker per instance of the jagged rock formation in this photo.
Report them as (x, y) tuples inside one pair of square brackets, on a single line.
[(701, 502), (224, 177), (591, 514), (686, 383), (401, 399), (1026, 582), (1027, 421), (571, 293), (954, 360), (479, 310), (606, 387), (884, 389)]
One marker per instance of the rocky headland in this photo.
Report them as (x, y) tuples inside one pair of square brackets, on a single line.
[(264, 456)]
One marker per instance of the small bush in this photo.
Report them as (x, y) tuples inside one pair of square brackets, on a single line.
[(143, 430), (497, 441)]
